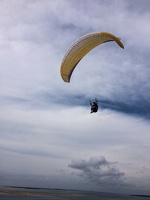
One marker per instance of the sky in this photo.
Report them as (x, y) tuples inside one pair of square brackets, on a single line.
[(48, 138)]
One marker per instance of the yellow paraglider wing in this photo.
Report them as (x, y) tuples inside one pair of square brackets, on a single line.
[(80, 48)]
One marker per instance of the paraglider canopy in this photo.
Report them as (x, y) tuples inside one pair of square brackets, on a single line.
[(80, 48)]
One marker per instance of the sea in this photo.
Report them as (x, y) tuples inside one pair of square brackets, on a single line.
[(28, 193)]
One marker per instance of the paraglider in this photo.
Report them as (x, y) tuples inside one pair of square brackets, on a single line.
[(79, 49), (94, 106)]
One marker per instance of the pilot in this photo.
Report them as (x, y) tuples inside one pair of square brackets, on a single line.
[(94, 106)]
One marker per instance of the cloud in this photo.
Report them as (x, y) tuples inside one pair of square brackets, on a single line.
[(99, 171)]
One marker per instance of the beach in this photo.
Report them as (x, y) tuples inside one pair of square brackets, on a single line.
[(22, 193)]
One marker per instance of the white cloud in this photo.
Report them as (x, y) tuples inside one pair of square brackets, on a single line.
[(98, 170)]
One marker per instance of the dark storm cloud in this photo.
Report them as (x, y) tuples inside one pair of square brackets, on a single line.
[(139, 107)]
